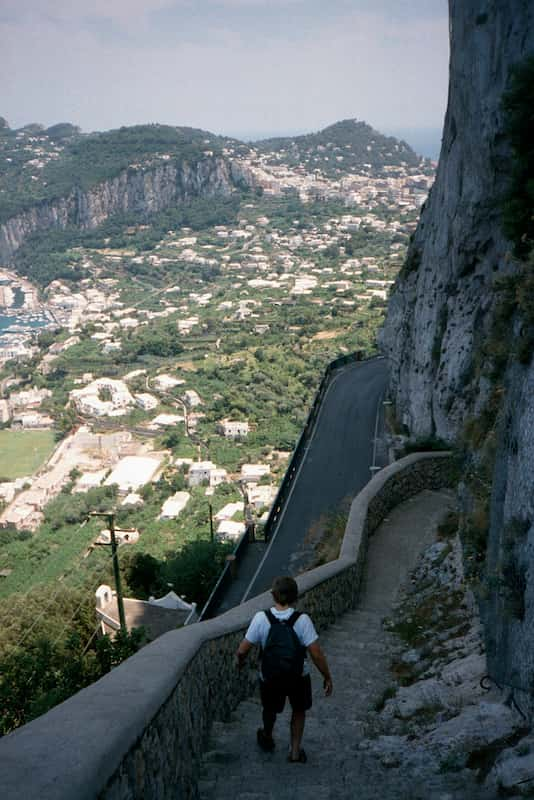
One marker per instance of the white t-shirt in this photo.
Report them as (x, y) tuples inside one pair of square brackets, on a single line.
[(258, 630)]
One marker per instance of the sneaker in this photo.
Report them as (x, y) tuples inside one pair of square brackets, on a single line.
[(265, 742)]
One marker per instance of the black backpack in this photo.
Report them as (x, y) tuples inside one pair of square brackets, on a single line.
[(283, 654)]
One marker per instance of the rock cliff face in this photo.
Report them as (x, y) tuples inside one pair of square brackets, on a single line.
[(141, 191), (442, 308), (443, 299)]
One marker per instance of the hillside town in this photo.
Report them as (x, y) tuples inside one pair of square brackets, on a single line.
[(128, 359)]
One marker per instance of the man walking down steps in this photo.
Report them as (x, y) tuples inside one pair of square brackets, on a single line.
[(285, 637)]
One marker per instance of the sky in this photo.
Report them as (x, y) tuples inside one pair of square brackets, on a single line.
[(239, 67)]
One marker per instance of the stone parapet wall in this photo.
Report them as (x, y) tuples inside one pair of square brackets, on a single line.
[(139, 731)]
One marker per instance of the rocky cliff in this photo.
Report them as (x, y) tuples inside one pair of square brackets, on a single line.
[(136, 190), (441, 329)]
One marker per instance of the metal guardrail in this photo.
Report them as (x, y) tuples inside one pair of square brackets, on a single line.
[(227, 574)]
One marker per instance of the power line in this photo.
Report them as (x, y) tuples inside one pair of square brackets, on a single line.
[(57, 593), (86, 648), (67, 624)]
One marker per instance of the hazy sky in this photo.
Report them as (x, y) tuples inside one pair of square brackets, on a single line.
[(229, 66)]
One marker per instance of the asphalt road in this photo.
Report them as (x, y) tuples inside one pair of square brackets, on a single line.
[(335, 468)]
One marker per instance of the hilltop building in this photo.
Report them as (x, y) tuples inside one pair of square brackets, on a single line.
[(146, 401), (103, 397), (232, 429)]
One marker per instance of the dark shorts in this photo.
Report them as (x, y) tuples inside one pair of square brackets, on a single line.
[(298, 691)]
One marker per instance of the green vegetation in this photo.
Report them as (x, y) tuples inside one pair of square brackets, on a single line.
[(346, 145), (50, 651), (48, 648), (81, 161), (55, 254), (211, 293), (194, 571), (23, 452), (327, 549), (519, 202), (423, 616)]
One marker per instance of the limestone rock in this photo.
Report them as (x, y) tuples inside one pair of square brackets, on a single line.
[(474, 729), (442, 308), (143, 191), (513, 772)]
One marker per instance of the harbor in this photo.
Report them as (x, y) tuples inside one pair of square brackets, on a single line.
[(22, 315)]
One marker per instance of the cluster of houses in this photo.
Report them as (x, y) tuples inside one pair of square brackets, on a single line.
[(22, 409), (393, 186)]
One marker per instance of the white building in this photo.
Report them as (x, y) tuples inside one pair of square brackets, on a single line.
[(29, 399), (7, 491), (186, 325), (88, 480), (166, 382), (103, 397), (192, 399), (32, 421), (229, 530), (228, 511), (123, 536), (261, 495), (174, 505), (206, 472), (146, 401), (251, 473), (136, 373), (166, 420), (132, 472), (233, 428), (133, 499), (4, 411)]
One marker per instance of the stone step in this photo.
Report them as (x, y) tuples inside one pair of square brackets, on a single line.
[(359, 651)]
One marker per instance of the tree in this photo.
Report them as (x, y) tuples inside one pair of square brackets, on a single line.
[(143, 575), (195, 570)]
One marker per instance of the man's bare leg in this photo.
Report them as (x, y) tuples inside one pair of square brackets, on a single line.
[(298, 719)]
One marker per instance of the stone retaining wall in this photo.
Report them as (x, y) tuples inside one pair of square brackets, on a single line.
[(137, 734)]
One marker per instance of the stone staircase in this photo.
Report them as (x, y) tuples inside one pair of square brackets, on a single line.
[(358, 649)]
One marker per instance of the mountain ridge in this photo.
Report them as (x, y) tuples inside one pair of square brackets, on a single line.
[(55, 177)]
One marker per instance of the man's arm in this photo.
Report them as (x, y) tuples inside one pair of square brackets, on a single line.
[(319, 659), (242, 652)]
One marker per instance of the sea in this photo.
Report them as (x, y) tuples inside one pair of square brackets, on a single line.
[(23, 322)]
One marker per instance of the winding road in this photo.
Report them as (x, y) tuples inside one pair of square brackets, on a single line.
[(337, 464)]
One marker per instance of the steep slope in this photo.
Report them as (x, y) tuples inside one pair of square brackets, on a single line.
[(450, 329), (58, 177), (49, 181)]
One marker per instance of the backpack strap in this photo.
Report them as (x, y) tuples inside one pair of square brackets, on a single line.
[(291, 621), (270, 616)]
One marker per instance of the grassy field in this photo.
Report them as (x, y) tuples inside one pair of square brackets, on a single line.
[(22, 452)]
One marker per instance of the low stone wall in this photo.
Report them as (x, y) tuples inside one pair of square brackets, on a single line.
[(138, 733)]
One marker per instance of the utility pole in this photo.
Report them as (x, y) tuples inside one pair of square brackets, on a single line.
[(211, 521), (110, 515), (247, 513)]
